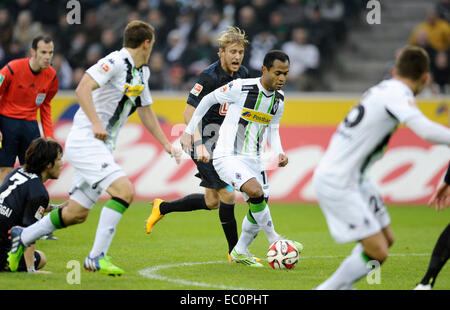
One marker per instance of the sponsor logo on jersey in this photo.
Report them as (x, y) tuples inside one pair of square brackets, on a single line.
[(133, 91), (104, 67), (247, 87), (5, 211), (40, 98), (223, 108), (1, 79), (257, 117), (197, 89), (39, 213)]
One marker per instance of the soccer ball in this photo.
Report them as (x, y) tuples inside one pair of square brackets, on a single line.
[(282, 254)]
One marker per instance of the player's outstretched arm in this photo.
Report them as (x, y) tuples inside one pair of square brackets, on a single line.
[(150, 121)]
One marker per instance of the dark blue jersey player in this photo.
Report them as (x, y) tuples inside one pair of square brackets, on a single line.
[(232, 44), (24, 199)]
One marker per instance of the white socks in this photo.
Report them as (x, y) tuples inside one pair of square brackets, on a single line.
[(353, 268), (40, 228), (105, 231)]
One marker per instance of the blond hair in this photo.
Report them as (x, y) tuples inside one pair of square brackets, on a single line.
[(232, 35)]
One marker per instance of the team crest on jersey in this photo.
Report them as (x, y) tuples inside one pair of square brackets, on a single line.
[(40, 99), (1, 79), (276, 104), (255, 116), (197, 89), (132, 91), (39, 213), (223, 108)]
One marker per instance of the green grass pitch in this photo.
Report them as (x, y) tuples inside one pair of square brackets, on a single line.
[(188, 251)]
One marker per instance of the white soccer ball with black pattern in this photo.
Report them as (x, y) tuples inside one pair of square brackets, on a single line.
[(282, 254)]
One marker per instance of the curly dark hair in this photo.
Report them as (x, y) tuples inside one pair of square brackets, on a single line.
[(40, 153)]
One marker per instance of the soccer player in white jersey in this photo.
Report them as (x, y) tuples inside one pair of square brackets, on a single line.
[(352, 207), (109, 92), (254, 112)]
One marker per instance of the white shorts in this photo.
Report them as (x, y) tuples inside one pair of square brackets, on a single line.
[(236, 170), (95, 168), (352, 214)]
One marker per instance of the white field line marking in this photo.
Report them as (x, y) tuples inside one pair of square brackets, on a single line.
[(151, 272)]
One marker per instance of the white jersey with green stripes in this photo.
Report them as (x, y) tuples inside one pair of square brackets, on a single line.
[(251, 111), (362, 137), (122, 88)]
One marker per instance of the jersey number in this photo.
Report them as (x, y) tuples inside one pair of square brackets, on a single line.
[(18, 179), (355, 116)]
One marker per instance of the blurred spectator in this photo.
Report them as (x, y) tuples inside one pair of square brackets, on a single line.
[(76, 77), (320, 32), (262, 10), (333, 11), (200, 54), (176, 46), (91, 27), (423, 42), (213, 25), (93, 54), (26, 29), (259, 46), (111, 15), (14, 51), (248, 21), (158, 21), (176, 79), (292, 11), (443, 10), (157, 71), (63, 35), (438, 31), (278, 26), (192, 25), (77, 51), (305, 59), (63, 71), (6, 28), (109, 42), (171, 10), (440, 69)]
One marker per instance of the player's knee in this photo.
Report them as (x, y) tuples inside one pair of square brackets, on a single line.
[(122, 189), (212, 203), (378, 253), (390, 240), (255, 192)]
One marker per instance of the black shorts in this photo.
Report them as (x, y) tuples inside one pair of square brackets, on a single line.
[(17, 136), (208, 175), (22, 265)]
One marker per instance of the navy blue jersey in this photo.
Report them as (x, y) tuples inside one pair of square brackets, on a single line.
[(210, 79), (23, 200)]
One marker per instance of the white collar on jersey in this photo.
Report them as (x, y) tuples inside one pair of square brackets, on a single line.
[(127, 54), (404, 86)]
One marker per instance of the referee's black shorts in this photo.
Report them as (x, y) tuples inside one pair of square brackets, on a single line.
[(17, 135)]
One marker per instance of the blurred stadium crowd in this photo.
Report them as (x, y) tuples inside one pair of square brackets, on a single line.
[(310, 31)]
